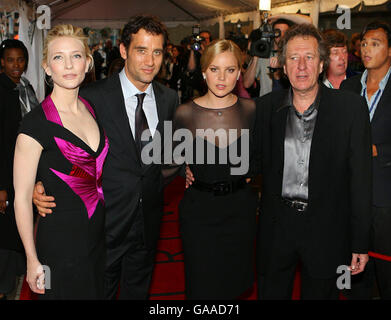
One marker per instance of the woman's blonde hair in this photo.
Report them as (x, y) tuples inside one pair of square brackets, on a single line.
[(219, 46), (67, 30)]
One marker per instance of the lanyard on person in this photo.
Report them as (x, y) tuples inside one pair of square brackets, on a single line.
[(374, 101), (328, 83)]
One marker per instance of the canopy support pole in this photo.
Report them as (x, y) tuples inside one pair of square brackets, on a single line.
[(315, 12), (221, 27)]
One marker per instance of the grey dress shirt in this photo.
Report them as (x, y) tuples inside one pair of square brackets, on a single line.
[(297, 146)]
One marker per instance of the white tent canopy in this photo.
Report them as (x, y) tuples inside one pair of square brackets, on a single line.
[(100, 13), (324, 5)]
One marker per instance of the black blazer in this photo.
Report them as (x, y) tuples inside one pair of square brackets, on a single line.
[(10, 118), (381, 137), (127, 184), (339, 196)]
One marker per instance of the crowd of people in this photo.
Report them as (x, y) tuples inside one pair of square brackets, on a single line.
[(312, 119), (181, 67)]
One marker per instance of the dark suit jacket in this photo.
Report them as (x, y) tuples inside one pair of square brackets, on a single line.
[(339, 210), (10, 117), (381, 137), (129, 187)]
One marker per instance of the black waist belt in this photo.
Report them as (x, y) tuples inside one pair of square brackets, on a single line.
[(220, 188), (299, 205)]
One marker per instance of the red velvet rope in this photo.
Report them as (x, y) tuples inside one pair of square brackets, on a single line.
[(379, 256)]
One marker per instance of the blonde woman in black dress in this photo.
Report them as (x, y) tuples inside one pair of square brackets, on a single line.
[(62, 144), (218, 212)]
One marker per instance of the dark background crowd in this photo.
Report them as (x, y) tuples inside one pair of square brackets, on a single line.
[(181, 69)]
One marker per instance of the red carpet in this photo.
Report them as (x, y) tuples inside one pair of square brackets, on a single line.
[(168, 277)]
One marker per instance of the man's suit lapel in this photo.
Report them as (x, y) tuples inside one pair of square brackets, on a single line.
[(383, 102), (115, 99), (278, 140), (358, 85), (320, 144), (160, 105)]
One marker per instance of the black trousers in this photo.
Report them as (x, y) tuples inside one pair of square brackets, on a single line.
[(130, 266), (377, 269), (289, 252)]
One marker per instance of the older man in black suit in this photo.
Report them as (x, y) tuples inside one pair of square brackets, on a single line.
[(375, 86), (126, 105), (316, 177)]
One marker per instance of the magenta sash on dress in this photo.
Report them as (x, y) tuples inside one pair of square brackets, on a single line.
[(85, 178)]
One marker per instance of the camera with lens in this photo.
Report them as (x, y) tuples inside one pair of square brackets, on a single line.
[(262, 41), (197, 39)]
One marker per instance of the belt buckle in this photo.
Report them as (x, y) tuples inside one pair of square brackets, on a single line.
[(221, 188), (299, 206)]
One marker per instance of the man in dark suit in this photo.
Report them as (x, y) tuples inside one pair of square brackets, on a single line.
[(375, 86), (126, 104), (316, 177)]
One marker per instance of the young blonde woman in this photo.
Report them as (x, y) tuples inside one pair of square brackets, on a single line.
[(61, 144), (218, 211)]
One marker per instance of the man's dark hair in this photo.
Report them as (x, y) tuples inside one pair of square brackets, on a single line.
[(14, 44), (378, 25), (208, 32), (186, 40), (150, 24), (334, 38), (355, 36), (303, 30), (283, 21)]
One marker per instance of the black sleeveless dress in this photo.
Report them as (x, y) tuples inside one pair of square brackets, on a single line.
[(70, 242), (218, 231)]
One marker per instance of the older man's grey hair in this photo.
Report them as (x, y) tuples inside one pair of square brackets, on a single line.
[(303, 30)]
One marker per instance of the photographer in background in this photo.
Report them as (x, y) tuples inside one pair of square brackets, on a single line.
[(267, 70), (195, 54), (355, 62), (112, 53), (242, 42), (195, 84), (176, 67), (98, 61)]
